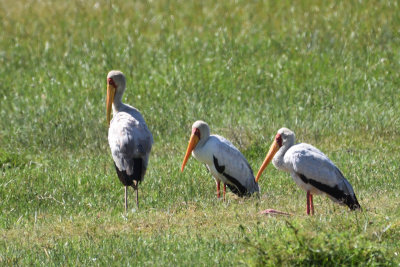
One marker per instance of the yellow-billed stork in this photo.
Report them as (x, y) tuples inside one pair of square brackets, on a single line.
[(223, 160), (311, 170), (128, 136)]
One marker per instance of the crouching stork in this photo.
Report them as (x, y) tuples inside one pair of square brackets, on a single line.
[(223, 160)]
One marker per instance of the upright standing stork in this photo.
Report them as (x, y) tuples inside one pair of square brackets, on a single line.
[(129, 138), (223, 160), (311, 170)]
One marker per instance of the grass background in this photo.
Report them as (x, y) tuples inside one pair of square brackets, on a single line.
[(327, 70)]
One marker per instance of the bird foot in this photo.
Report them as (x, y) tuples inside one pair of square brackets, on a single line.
[(274, 212)]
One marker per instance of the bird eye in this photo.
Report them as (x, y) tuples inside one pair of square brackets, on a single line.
[(196, 131), (278, 139), (111, 81)]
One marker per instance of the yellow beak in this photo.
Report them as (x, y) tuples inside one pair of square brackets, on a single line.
[(271, 153), (110, 99), (194, 139)]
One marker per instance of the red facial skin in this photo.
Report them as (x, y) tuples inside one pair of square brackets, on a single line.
[(278, 139), (111, 82), (196, 131)]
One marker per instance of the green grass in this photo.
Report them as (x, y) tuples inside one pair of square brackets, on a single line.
[(329, 71)]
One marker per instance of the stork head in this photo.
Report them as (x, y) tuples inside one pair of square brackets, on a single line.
[(115, 86), (200, 132), (284, 137)]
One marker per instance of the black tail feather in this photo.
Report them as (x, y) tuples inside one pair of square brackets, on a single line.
[(334, 192), (236, 187), (352, 202), (137, 175)]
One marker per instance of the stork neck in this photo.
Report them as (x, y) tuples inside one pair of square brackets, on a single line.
[(205, 134), (278, 159), (117, 104), (202, 141), (282, 151)]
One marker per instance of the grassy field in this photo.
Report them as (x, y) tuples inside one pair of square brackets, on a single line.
[(329, 71)]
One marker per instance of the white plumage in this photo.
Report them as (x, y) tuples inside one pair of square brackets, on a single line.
[(129, 139), (223, 160), (311, 170), (304, 158), (128, 136)]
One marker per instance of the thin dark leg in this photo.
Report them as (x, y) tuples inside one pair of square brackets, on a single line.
[(136, 187), (311, 204), (224, 190), (218, 187), (126, 198), (308, 202)]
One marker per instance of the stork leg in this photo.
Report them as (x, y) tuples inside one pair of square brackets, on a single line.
[(136, 188), (224, 190), (126, 198), (308, 202), (218, 186), (311, 204)]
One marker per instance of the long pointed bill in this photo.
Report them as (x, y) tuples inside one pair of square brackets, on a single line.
[(110, 99), (194, 139), (271, 153)]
